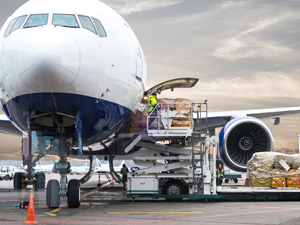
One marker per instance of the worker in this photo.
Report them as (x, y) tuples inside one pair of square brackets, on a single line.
[(220, 174), (124, 172), (152, 109)]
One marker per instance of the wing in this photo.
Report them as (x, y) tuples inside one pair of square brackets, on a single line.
[(7, 127), (219, 119)]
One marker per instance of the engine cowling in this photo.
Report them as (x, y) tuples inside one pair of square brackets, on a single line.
[(240, 138)]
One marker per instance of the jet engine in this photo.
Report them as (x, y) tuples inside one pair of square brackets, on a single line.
[(240, 138)]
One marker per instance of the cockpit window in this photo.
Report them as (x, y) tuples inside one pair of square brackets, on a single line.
[(87, 23), (100, 28), (8, 29), (19, 23), (65, 20), (36, 20)]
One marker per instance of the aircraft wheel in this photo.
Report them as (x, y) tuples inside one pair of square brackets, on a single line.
[(74, 193), (18, 178), (41, 180), (52, 194), (235, 180), (173, 187), (226, 180)]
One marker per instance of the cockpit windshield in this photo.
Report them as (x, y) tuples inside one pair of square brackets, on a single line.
[(87, 23), (7, 32), (36, 20), (18, 23), (65, 20)]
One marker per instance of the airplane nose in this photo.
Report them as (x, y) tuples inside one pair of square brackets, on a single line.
[(48, 60)]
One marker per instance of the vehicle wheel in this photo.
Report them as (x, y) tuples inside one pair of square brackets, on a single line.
[(134, 169), (1, 178), (235, 180), (6, 177), (52, 194), (18, 181), (41, 180), (74, 193), (173, 187), (226, 180)]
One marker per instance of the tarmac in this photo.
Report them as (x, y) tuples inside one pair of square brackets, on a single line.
[(109, 205)]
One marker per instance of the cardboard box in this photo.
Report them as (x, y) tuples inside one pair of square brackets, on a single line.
[(293, 182), (278, 182)]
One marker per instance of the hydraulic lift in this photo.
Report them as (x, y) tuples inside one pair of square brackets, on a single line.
[(177, 167)]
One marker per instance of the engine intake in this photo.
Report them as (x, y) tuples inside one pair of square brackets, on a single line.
[(241, 138)]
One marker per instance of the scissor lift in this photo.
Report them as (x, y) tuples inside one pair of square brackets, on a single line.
[(176, 166)]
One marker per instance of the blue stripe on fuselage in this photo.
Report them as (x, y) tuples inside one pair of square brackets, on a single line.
[(100, 118)]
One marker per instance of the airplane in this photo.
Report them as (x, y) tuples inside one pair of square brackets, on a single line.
[(73, 71), (79, 170), (45, 168), (104, 168), (99, 168)]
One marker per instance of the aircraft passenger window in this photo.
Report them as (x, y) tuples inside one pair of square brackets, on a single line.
[(8, 29), (36, 20), (19, 23), (100, 28), (87, 23), (65, 20)]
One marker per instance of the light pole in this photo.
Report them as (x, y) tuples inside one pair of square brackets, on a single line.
[(298, 134)]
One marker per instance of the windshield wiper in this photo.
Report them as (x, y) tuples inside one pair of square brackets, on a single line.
[(34, 26), (66, 26)]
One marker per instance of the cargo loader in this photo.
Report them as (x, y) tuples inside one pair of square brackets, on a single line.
[(175, 155)]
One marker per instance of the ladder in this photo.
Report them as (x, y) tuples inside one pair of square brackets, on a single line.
[(200, 133)]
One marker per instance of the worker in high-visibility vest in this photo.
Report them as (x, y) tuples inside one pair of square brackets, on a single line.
[(152, 109), (220, 174), (124, 172)]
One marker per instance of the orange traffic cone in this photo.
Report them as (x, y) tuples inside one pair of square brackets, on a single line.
[(30, 214)]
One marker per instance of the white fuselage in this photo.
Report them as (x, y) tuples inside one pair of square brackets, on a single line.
[(54, 68)]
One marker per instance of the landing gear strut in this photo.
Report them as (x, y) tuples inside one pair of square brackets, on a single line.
[(60, 130)]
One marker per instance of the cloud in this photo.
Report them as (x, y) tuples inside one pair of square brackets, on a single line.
[(236, 48), (201, 15), (256, 85), (248, 43), (127, 7)]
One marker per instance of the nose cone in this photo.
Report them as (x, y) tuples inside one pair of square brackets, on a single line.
[(48, 60)]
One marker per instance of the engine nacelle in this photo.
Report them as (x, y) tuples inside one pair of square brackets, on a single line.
[(240, 138)]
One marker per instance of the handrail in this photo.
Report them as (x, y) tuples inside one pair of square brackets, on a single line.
[(190, 115)]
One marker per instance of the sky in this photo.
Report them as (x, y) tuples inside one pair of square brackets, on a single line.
[(245, 54)]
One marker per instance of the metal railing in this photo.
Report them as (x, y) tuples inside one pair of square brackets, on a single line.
[(168, 108)]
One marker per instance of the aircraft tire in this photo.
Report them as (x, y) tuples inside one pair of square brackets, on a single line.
[(235, 180), (74, 193), (52, 194), (18, 178), (41, 180)]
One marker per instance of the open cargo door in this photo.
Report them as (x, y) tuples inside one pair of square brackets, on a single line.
[(172, 84)]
